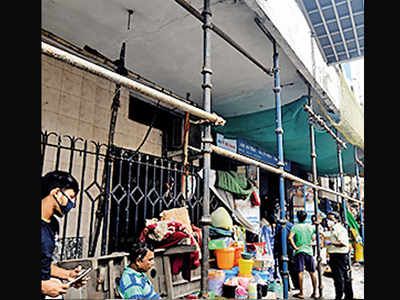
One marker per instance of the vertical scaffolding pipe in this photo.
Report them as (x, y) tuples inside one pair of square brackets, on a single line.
[(358, 191), (279, 133), (313, 155), (341, 180), (344, 207), (206, 140)]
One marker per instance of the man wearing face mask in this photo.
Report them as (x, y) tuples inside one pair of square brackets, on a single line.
[(338, 249), (58, 192)]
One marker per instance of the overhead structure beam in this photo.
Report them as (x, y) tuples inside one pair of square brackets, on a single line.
[(327, 30), (316, 118), (224, 36), (340, 28), (353, 23), (130, 84)]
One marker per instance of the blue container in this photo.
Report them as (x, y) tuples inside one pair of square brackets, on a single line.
[(231, 273), (263, 275)]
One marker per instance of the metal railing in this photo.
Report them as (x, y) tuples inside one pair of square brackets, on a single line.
[(141, 186)]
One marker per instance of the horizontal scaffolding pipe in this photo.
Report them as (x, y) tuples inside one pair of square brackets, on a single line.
[(321, 122), (224, 36), (359, 162), (250, 161), (94, 55), (129, 83)]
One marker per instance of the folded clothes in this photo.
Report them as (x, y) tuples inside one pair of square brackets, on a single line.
[(219, 232)]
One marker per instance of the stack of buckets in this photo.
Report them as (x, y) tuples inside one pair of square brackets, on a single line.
[(245, 266), (229, 257)]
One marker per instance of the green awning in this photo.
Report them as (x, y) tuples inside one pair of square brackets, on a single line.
[(259, 129)]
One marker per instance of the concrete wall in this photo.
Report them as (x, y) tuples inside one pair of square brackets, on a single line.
[(78, 104)]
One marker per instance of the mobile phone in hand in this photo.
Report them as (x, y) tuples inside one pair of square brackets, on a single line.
[(79, 277)]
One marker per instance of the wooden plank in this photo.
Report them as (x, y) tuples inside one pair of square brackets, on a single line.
[(168, 277), (186, 288), (180, 249)]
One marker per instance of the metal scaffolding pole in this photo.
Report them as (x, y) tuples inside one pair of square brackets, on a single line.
[(344, 206), (192, 10), (206, 140), (130, 84), (313, 156), (356, 163), (341, 180), (279, 133)]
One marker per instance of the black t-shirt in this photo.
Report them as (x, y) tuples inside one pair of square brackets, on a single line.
[(49, 232)]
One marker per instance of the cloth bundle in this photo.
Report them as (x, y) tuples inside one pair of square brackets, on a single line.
[(167, 233)]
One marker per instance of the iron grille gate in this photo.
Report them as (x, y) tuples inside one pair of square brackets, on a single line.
[(142, 186)]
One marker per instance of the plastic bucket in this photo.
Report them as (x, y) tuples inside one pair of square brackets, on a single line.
[(216, 280), (262, 290), (229, 291), (263, 275), (245, 275), (231, 273), (359, 253), (238, 250), (245, 266), (225, 258)]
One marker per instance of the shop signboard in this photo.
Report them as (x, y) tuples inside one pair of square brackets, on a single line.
[(227, 144), (246, 149)]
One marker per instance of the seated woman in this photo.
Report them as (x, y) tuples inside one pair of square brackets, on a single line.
[(134, 283)]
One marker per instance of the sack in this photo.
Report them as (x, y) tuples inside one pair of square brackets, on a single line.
[(220, 218), (180, 215)]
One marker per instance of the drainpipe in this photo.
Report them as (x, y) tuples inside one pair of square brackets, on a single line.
[(315, 181), (358, 191), (206, 140), (279, 133)]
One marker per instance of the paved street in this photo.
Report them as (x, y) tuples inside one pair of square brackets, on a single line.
[(329, 289)]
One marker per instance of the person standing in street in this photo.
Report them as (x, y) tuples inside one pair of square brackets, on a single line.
[(58, 191), (303, 233), (338, 249)]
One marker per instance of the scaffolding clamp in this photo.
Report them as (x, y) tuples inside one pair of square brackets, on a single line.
[(284, 258), (206, 85), (206, 70), (205, 220), (276, 89), (282, 222)]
